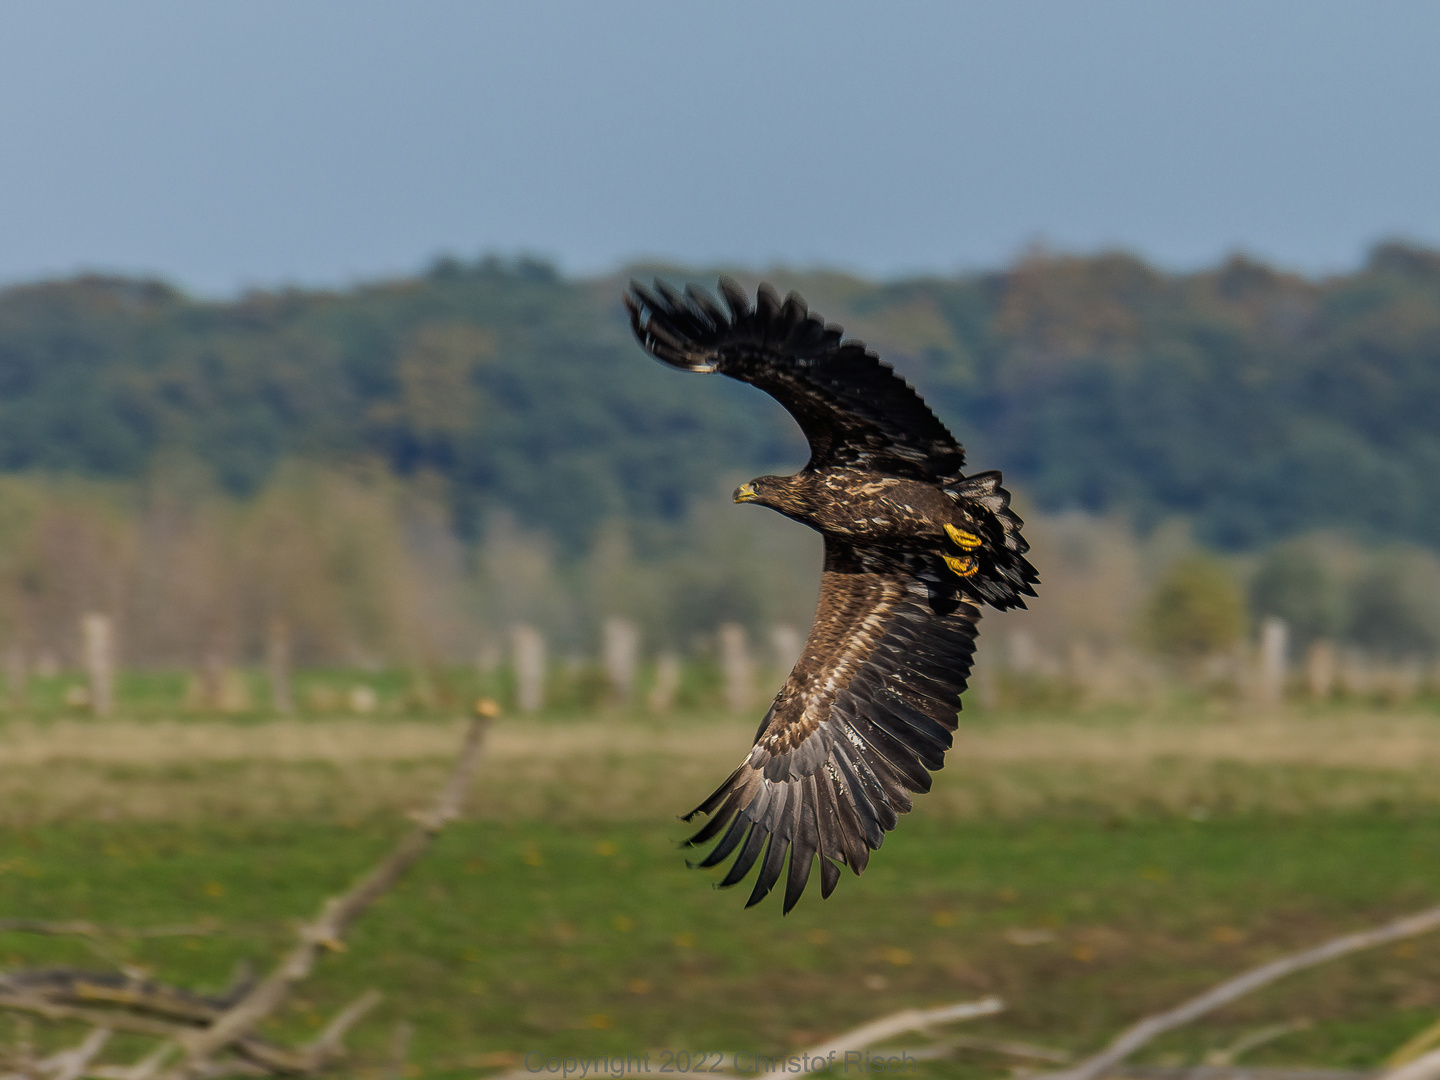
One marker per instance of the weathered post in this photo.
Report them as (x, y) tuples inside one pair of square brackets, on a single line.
[(529, 646), (99, 655), (277, 666), (1274, 644), (736, 667), (621, 654)]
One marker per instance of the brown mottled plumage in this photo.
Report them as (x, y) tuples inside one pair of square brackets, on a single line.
[(913, 547)]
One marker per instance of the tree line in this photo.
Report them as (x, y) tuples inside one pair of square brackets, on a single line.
[(1257, 404)]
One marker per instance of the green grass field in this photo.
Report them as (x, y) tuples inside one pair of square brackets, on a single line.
[(1069, 878)]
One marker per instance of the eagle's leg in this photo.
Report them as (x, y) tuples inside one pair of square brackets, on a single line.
[(965, 541), (966, 563), (965, 566)]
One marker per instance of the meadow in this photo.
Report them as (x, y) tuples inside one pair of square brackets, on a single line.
[(1088, 867)]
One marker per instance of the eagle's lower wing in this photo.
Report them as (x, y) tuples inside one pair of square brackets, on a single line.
[(866, 715), (852, 407)]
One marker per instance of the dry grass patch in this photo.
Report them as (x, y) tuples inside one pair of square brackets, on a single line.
[(617, 770)]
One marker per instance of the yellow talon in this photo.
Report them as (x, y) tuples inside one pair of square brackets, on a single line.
[(964, 540), (963, 567)]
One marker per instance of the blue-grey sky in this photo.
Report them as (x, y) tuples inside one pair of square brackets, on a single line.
[(226, 145)]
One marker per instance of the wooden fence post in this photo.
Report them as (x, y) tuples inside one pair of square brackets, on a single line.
[(99, 654), (529, 645), (621, 650), (1274, 644), (277, 666)]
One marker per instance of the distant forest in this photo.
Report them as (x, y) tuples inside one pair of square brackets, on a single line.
[(1254, 403)]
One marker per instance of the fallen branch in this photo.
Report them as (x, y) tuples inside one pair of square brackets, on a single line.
[(831, 1053), (273, 1058), (336, 915), (328, 1043), (1424, 1067), (1413, 1047), (68, 986), (116, 1019), (71, 1064), (144, 1069), (94, 930), (1255, 1039), (1141, 1033), (824, 1056)]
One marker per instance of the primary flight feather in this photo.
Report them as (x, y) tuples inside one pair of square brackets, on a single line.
[(913, 547)]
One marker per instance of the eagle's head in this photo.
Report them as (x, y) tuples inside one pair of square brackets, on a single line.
[(786, 494)]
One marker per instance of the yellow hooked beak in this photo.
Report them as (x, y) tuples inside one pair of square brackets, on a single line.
[(746, 493)]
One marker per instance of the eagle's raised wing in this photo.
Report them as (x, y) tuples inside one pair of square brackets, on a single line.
[(866, 715), (852, 407)]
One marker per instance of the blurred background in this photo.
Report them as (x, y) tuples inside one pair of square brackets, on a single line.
[(319, 417)]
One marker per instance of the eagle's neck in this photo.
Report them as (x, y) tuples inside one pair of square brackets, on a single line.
[(794, 496)]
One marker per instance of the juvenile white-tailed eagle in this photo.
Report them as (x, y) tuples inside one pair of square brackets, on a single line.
[(913, 547)]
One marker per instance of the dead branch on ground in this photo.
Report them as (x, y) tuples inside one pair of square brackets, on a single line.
[(825, 1054), (94, 930), (1424, 1067), (1137, 1035), (196, 1028), (831, 1053), (337, 913)]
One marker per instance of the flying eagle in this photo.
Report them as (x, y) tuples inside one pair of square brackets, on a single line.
[(913, 547)]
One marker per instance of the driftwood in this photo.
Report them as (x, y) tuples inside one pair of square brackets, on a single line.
[(1147, 1029)]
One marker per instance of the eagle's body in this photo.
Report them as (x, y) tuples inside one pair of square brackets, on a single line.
[(913, 546), (861, 506)]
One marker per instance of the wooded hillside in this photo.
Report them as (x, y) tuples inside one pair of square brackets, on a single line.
[(1257, 403)]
